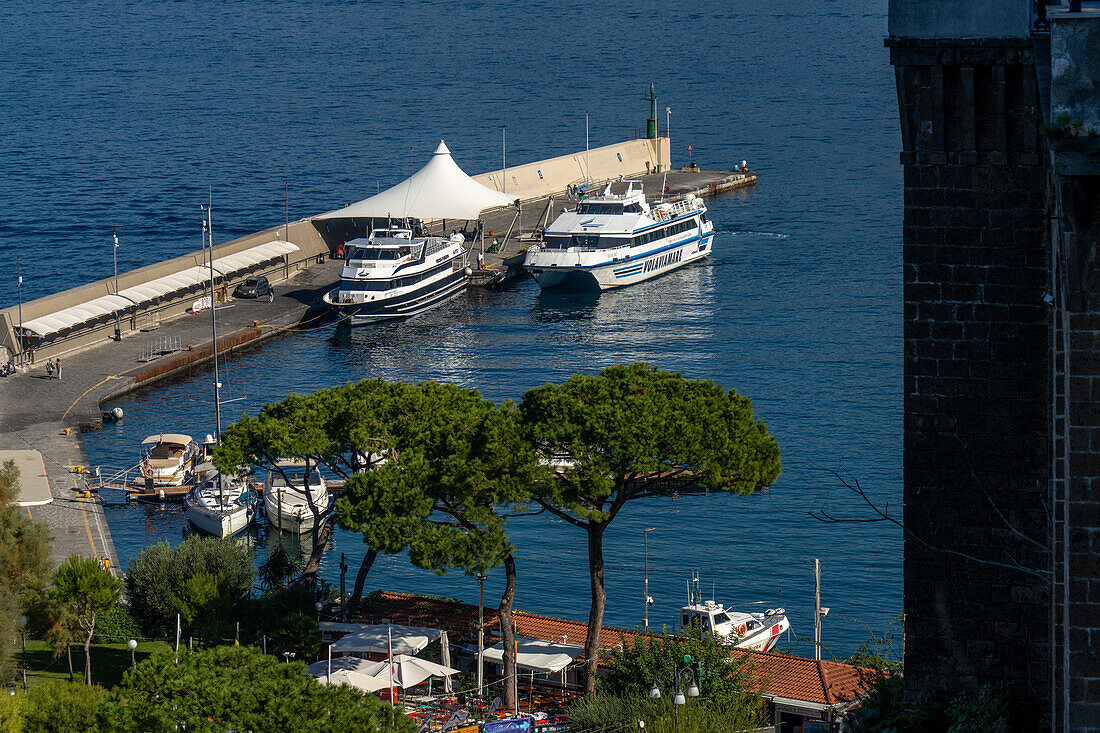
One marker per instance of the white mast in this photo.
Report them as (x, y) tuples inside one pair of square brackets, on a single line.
[(208, 234)]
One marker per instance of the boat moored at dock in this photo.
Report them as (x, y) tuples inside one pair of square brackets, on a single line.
[(295, 501), (616, 239), (394, 274), (167, 461), (221, 506)]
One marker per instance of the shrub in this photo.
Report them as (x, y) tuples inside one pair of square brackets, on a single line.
[(115, 626), (237, 688), (62, 707), (159, 572), (610, 713)]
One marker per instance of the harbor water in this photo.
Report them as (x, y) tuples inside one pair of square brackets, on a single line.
[(126, 116)]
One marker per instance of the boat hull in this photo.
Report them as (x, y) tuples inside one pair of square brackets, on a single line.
[(219, 523), (296, 522), (404, 305), (618, 273)]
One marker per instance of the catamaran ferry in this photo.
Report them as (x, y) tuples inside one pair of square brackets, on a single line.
[(393, 274), (611, 240)]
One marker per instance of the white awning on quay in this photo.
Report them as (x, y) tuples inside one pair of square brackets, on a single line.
[(537, 655), (77, 314), (240, 261), (439, 190)]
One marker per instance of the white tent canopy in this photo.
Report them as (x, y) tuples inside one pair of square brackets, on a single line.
[(377, 638), (439, 190), (407, 671), (537, 655), (348, 671)]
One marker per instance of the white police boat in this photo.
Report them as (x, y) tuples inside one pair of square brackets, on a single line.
[(741, 629), (394, 274), (616, 239)]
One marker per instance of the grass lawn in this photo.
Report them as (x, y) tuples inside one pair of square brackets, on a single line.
[(109, 661)]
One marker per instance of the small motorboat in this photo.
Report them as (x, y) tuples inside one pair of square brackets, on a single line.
[(294, 502), (167, 461), (741, 629)]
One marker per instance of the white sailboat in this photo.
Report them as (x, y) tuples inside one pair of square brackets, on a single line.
[(218, 505)]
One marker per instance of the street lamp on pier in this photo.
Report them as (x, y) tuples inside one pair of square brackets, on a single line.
[(645, 589)]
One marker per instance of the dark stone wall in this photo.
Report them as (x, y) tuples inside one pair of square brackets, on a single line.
[(977, 439), (1076, 186)]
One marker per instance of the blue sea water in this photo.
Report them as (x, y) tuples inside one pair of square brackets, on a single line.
[(128, 114)]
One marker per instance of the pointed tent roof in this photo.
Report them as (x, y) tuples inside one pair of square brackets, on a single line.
[(439, 190)]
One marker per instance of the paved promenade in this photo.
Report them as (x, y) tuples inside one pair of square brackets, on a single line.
[(35, 411)]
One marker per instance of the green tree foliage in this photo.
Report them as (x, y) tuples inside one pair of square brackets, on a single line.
[(205, 604), (85, 589), (288, 620), (458, 460), (727, 702), (236, 688), (62, 707), (618, 714), (24, 563), (157, 577), (721, 676), (636, 432)]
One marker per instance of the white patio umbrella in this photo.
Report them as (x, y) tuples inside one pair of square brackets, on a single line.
[(348, 671), (407, 671)]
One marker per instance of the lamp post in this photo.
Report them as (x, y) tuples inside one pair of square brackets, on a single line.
[(23, 637), (679, 678), (343, 597), (480, 631), (19, 291), (668, 133), (133, 646), (645, 563), (114, 252), (318, 605)]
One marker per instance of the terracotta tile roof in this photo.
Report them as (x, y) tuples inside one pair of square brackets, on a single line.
[(778, 675), (798, 678)]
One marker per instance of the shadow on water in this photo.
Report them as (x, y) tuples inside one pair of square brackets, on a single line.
[(558, 305)]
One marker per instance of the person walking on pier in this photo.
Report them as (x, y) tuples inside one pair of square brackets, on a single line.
[(271, 295), (57, 367), (49, 369)]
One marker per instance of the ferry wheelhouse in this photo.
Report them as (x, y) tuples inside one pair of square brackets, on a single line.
[(394, 274), (611, 240)]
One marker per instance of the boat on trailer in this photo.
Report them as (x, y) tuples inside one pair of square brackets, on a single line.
[(394, 274), (614, 239)]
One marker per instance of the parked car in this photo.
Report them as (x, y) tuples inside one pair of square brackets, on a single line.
[(253, 287)]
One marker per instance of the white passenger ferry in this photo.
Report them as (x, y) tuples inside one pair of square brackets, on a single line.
[(393, 274), (611, 240)]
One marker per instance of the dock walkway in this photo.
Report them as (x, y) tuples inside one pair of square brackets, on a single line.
[(36, 411)]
